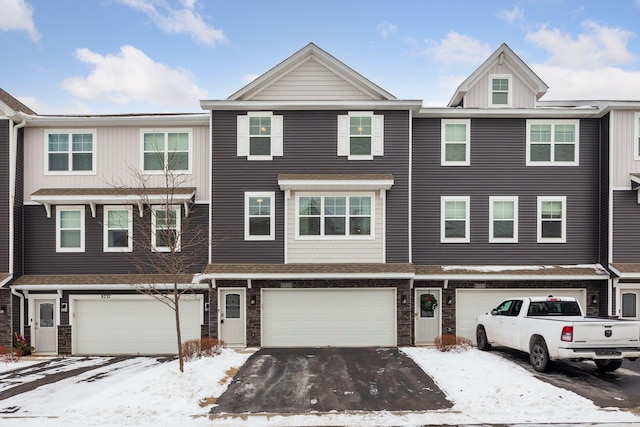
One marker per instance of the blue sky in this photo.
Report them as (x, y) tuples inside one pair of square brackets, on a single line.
[(130, 56)]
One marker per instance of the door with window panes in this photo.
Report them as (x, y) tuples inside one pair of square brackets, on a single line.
[(427, 316), (231, 317), (629, 304)]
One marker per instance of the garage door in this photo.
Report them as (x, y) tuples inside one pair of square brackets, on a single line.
[(138, 325), (473, 302), (328, 317)]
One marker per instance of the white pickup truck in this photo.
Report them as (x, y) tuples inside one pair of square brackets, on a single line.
[(554, 328)]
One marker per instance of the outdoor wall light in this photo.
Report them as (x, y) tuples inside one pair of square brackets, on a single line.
[(403, 299), (252, 300), (449, 300), (64, 307), (3, 309), (594, 299), (206, 306)]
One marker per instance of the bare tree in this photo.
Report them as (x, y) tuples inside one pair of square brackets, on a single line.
[(168, 246)]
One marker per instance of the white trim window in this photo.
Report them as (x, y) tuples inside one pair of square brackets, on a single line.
[(70, 152), (503, 219), (70, 229), (455, 149), (637, 135), (553, 142), (166, 150), (165, 228), (360, 135), (500, 90), (259, 135), (118, 229), (259, 209), (454, 219), (552, 219), (335, 216)]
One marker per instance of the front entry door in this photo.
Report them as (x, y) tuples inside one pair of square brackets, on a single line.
[(630, 304), (45, 326), (232, 317), (427, 315)]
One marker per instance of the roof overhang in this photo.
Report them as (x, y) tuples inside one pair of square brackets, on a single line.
[(507, 272), (110, 282), (626, 270), (519, 113), (232, 105), (635, 181), (192, 119), (307, 271), (335, 182)]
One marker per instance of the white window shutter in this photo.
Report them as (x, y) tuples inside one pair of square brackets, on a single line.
[(276, 136), (343, 135), (243, 136), (377, 135)]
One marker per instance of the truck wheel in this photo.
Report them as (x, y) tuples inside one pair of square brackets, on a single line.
[(608, 365), (539, 356), (481, 339)]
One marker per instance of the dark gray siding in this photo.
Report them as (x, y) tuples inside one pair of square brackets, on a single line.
[(42, 258), (4, 195), (626, 226), (18, 208), (498, 158), (604, 190), (310, 146)]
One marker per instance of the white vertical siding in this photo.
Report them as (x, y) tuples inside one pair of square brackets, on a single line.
[(311, 81), (335, 250), (624, 158), (478, 96), (117, 155)]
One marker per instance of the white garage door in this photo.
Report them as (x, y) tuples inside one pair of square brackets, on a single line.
[(133, 325), (328, 317), (473, 302)]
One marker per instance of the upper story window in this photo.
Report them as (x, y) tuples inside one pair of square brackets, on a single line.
[(165, 228), (454, 219), (503, 219), (69, 228), (166, 150), (259, 135), (500, 90), (118, 229), (70, 151), (335, 216), (455, 142), (360, 135), (259, 216), (552, 219), (552, 142)]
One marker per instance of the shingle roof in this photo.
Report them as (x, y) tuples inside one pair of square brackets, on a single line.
[(111, 191), (271, 269), (98, 279), (505, 270), (336, 177), (14, 104)]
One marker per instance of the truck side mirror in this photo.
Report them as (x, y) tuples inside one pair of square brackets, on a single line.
[(494, 312)]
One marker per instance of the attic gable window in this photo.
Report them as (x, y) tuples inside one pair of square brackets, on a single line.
[(500, 90), (259, 135), (360, 135)]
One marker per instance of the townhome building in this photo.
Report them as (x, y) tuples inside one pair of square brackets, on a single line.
[(334, 213)]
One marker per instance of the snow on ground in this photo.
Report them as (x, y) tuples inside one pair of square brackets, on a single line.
[(484, 387)]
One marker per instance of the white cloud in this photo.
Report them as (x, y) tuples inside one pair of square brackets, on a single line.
[(131, 76), (178, 19), (385, 29), (608, 83), (17, 15), (597, 47), (457, 49), (248, 78), (513, 17)]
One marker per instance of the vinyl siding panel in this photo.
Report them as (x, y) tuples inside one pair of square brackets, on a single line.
[(42, 258), (310, 146), (118, 151), (335, 251), (498, 154), (626, 226), (311, 81), (625, 158), (604, 189), (18, 212), (4, 194), (478, 96)]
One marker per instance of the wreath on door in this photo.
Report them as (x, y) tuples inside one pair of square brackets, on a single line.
[(428, 302)]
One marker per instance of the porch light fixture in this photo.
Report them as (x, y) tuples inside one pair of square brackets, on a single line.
[(252, 300), (3, 309), (403, 299), (449, 300), (594, 299), (64, 307)]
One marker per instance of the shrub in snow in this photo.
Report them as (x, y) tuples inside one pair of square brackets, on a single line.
[(448, 342), (9, 354), (204, 347)]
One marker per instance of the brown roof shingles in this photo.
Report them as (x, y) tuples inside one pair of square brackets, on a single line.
[(98, 279), (272, 269), (115, 191), (14, 104), (546, 270)]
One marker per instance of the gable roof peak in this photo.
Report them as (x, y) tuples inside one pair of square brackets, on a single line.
[(311, 52), (11, 105), (502, 55)]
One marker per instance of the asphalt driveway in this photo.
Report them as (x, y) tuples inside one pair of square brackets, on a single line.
[(298, 381)]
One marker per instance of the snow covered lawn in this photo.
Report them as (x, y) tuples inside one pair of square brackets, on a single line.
[(483, 386)]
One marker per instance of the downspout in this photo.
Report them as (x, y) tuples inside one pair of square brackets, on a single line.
[(19, 295)]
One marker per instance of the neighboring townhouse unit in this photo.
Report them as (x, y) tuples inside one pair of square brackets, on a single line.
[(333, 213)]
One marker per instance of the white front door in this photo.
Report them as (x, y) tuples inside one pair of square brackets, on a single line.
[(630, 304), (427, 315), (231, 317), (45, 326)]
